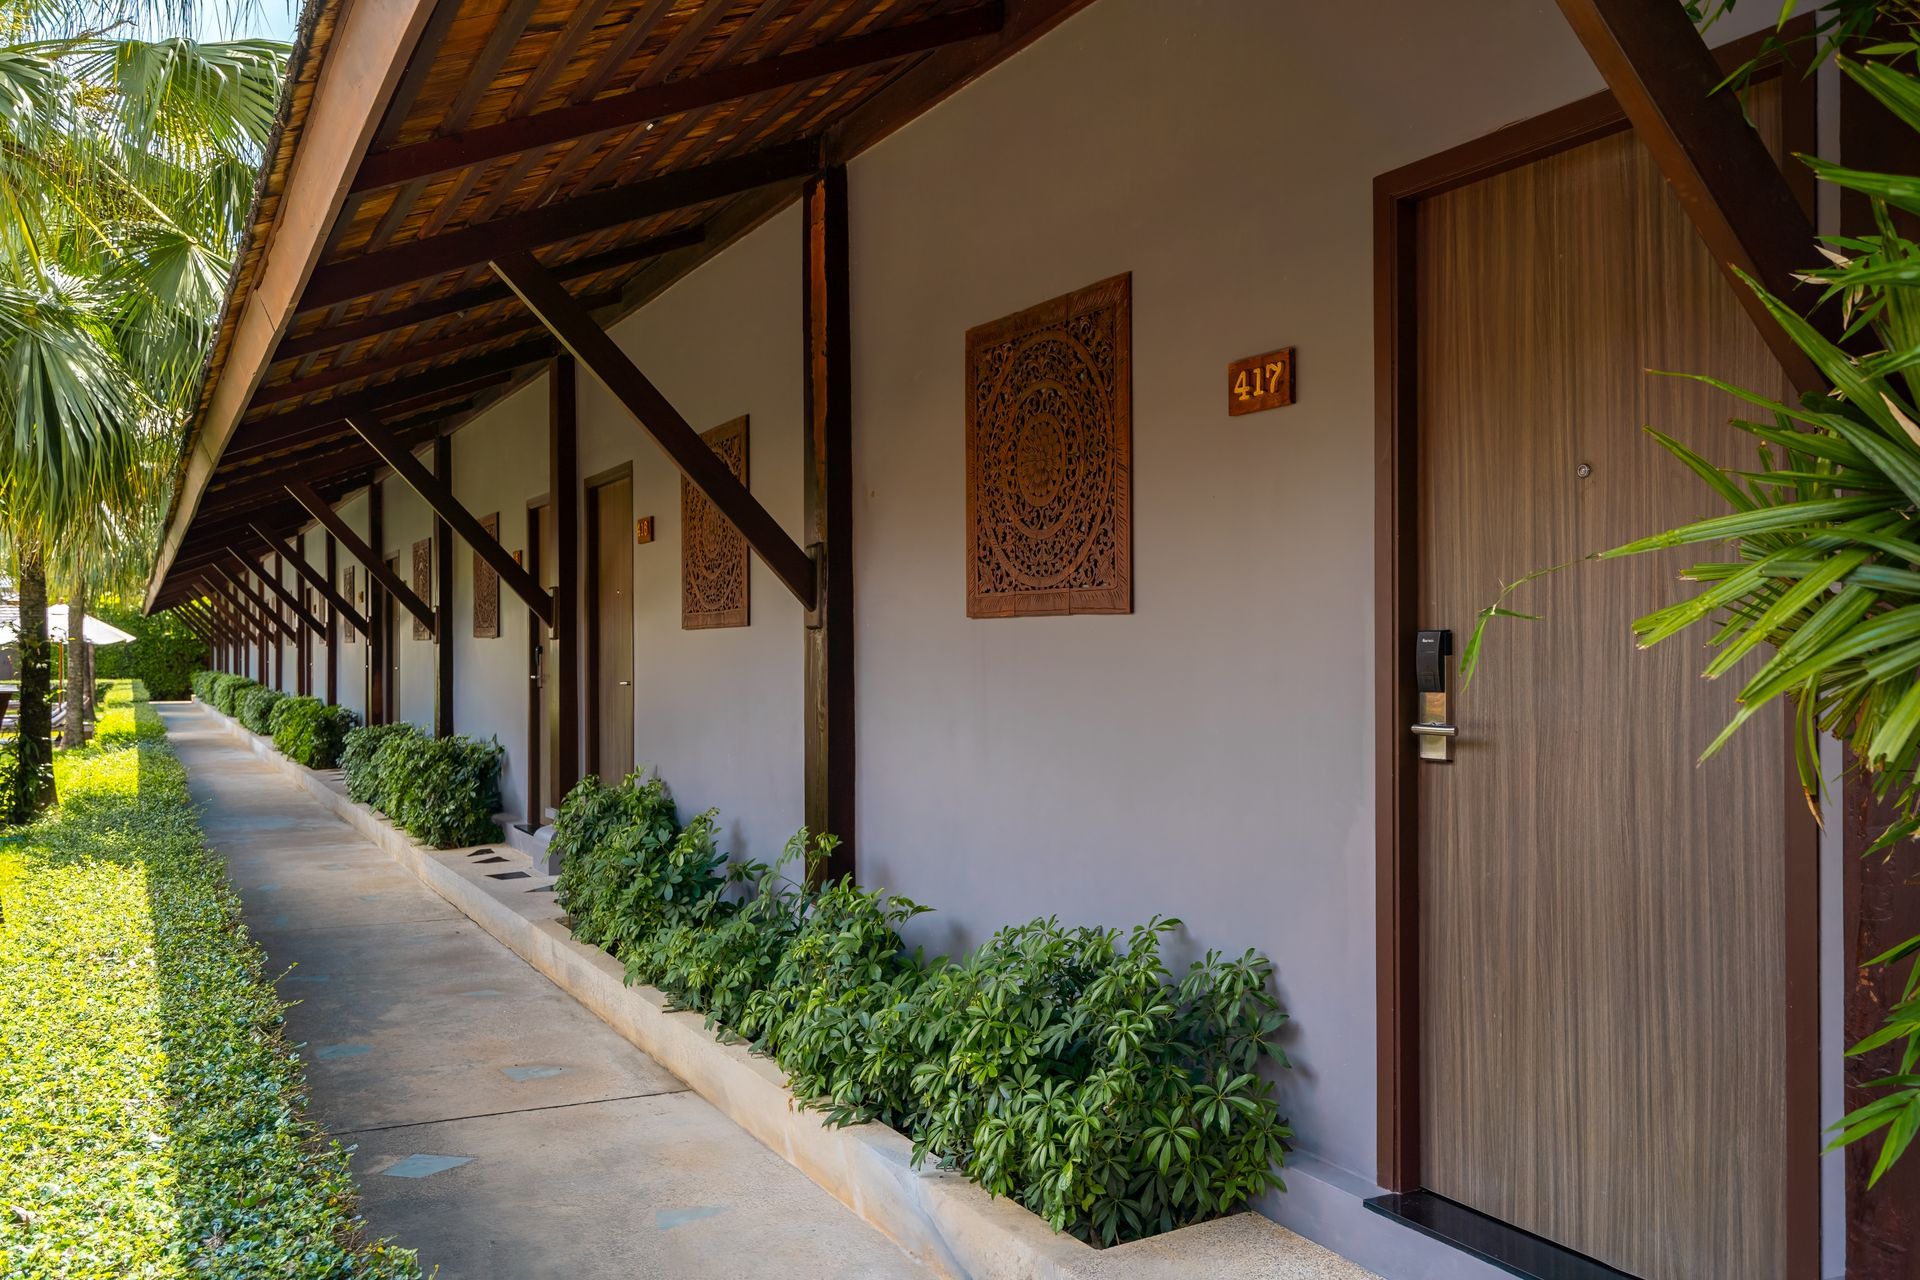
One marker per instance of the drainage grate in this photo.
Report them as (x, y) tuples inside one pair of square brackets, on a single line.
[(484, 861), (508, 875)]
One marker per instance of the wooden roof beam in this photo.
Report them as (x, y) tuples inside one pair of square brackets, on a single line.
[(317, 421), (564, 220), (396, 165), (413, 353), (369, 559), (253, 597), (601, 356), (437, 491), (285, 596), (1664, 77), (238, 613), (315, 579)]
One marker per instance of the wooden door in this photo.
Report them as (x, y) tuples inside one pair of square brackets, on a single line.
[(1601, 993), (610, 628), (547, 788)]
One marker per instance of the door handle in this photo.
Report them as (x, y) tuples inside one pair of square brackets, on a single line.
[(1431, 649), (624, 683)]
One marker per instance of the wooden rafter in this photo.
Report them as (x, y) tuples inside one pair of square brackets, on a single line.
[(317, 421), (601, 356), (564, 220), (437, 492), (272, 582), (315, 579), (1664, 76), (618, 111), (369, 559), (463, 343), (245, 591)]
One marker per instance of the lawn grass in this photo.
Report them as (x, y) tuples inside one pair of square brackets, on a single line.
[(151, 1112)]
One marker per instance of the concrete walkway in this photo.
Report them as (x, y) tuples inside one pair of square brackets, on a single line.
[(502, 1130)]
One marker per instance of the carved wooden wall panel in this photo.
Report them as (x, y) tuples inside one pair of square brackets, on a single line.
[(713, 554), (347, 634), (423, 582), (486, 587), (1049, 457)]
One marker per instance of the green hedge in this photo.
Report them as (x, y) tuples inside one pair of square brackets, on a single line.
[(163, 654), (310, 732), (254, 708), (1067, 1068), (221, 690), (441, 791), (151, 1118)]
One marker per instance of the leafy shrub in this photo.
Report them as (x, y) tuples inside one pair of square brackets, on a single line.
[(163, 654), (357, 753), (255, 708), (627, 866), (1068, 1072), (441, 791), (150, 1106), (226, 689), (1064, 1068), (310, 732)]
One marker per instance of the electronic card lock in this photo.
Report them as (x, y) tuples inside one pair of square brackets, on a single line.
[(1431, 649)]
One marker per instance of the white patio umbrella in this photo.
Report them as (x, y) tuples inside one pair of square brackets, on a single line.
[(92, 630)]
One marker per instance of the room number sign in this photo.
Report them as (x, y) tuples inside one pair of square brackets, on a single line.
[(1260, 382)]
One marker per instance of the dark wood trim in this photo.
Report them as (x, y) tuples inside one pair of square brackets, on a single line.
[(827, 474), (590, 623), (254, 605), (315, 579), (412, 396), (442, 481), (1397, 891), (369, 559), (333, 620), (267, 612), (279, 589), (563, 490), (1663, 75), (601, 356), (538, 673), (395, 165), (379, 322), (461, 343), (279, 650), (438, 494), (563, 220)]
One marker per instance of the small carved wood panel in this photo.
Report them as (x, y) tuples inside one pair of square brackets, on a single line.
[(713, 554), (486, 587), (349, 635), (423, 582), (1049, 457)]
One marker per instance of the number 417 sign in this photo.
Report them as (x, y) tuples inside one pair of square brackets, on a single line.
[(1260, 382)]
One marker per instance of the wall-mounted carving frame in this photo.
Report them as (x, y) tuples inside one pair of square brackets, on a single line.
[(713, 554), (423, 582), (1050, 457), (486, 587)]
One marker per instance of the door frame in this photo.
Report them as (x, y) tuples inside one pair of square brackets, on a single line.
[(537, 659), (590, 607), (1396, 196)]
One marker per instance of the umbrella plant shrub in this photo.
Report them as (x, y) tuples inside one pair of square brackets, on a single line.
[(254, 708), (357, 753), (1066, 1068), (1815, 563)]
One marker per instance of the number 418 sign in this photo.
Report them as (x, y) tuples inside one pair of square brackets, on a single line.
[(1260, 382)]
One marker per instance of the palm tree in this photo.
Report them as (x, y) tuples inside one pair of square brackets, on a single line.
[(127, 167)]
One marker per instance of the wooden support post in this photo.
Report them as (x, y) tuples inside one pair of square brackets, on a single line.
[(563, 494), (1663, 75), (369, 558), (379, 606), (318, 581), (827, 473), (603, 358), (279, 615), (334, 614), (259, 602), (285, 596), (437, 491), (443, 587)]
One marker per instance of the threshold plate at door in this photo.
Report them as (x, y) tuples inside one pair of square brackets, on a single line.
[(1492, 1241)]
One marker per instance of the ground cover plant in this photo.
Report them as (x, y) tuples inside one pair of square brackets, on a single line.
[(1066, 1068), (150, 1108)]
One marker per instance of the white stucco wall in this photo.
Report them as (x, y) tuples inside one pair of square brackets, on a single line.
[(353, 646), (1208, 756)]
